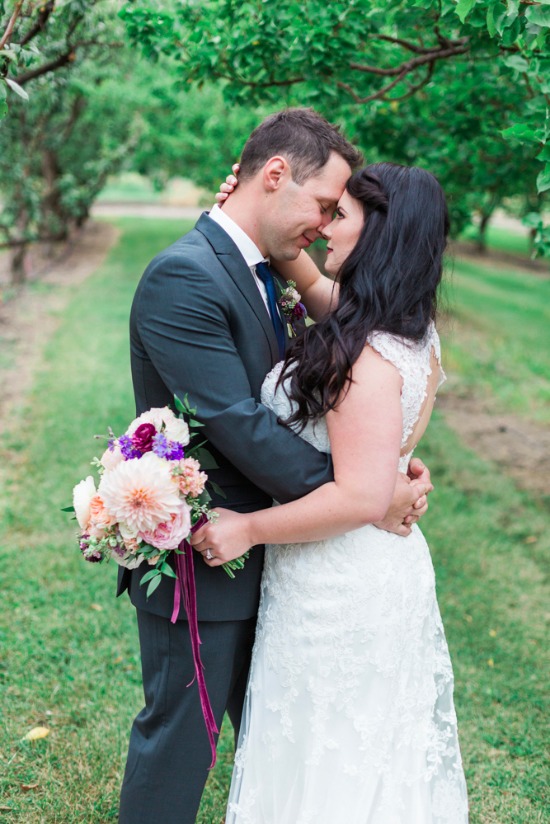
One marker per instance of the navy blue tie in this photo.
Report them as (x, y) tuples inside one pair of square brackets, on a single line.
[(262, 270)]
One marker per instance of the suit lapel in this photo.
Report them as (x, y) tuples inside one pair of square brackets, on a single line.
[(235, 265)]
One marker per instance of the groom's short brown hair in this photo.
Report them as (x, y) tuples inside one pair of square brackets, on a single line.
[(302, 137)]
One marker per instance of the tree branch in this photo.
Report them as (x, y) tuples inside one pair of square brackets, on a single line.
[(414, 87), (60, 61), (442, 53), (11, 23), (40, 23), (379, 95), (397, 41), (266, 84)]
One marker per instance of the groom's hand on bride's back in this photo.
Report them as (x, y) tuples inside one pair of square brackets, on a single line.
[(410, 499)]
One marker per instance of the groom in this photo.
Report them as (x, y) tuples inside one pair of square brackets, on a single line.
[(204, 323)]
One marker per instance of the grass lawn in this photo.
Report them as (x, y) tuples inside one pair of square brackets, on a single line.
[(504, 240), (498, 336), (69, 648)]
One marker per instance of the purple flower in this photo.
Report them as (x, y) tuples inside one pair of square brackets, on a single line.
[(142, 439), (163, 448), (299, 311), (177, 452), (160, 445), (127, 448), (93, 557), (119, 550)]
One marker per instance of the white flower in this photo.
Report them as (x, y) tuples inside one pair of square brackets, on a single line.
[(111, 457), (128, 534), (141, 493), (175, 429), (82, 495)]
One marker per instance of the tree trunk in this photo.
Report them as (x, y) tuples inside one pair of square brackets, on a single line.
[(481, 242), (54, 216), (18, 268)]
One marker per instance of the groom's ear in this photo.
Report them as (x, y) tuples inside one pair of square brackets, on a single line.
[(275, 172)]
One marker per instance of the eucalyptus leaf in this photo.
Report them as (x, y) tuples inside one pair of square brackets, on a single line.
[(149, 576), (216, 488), (205, 458), (205, 497), (167, 570), (179, 405), (153, 585)]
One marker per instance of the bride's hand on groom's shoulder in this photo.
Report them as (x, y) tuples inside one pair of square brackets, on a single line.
[(223, 539)]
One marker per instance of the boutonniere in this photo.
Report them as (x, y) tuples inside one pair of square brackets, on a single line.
[(291, 307)]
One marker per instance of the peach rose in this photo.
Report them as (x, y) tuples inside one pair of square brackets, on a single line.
[(100, 518), (171, 533)]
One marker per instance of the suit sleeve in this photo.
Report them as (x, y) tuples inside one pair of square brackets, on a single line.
[(183, 321)]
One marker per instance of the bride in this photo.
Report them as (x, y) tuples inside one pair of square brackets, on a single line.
[(349, 715)]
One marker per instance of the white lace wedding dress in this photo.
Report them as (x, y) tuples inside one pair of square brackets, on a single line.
[(349, 715)]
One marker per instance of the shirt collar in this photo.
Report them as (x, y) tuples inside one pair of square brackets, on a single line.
[(244, 244)]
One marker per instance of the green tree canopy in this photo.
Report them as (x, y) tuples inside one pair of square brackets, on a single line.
[(462, 87)]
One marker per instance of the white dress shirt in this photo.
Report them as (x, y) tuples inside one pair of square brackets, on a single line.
[(244, 244)]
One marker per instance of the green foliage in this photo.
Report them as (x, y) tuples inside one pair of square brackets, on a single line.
[(186, 131), (78, 126), (13, 56), (463, 87), (67, 26)]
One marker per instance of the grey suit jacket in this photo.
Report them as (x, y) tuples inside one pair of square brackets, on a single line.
[(199, 327)]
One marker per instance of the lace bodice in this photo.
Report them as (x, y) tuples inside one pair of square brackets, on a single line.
[(410, 358)]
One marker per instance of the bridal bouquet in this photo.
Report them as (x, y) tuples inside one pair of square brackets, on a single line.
[(149, 495)]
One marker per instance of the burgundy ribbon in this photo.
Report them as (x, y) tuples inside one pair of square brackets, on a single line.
[(185, 590)]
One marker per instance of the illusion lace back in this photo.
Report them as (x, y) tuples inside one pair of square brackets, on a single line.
[(349, 715)]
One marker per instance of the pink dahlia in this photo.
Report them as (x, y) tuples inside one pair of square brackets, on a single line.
[(140, 493)]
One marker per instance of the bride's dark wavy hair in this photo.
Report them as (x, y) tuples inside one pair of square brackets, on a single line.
[(388, 283)]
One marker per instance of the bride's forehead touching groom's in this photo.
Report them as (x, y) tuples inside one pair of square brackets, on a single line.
[(293, 215)]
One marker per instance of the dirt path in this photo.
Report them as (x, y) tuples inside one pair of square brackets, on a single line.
[(519, 448), (29, 318)]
